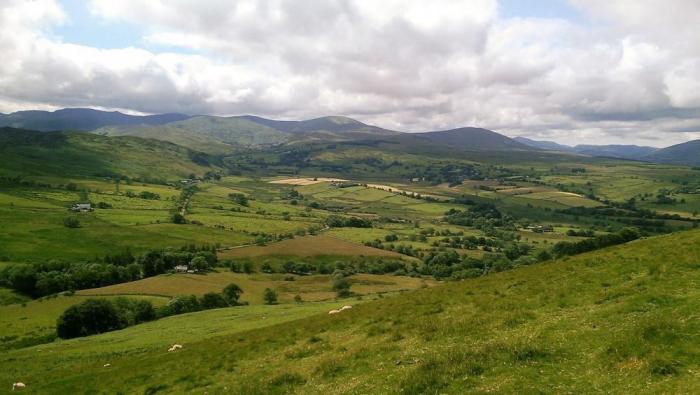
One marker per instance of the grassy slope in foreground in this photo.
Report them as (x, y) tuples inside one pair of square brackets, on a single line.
[(619, 320)]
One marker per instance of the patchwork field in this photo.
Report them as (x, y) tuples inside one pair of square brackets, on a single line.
[(309, 288), (306, 181), (308, 246)]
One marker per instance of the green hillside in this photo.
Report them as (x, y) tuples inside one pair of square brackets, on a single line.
[(205, 133), (30, 153), (80, 119), (686, 153), (619, 320), (475, 139)]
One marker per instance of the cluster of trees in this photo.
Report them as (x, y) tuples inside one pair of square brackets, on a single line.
[(480, 215), (450, 265), (400, 248), (663, 196), (95, 316), (46, 278), (452, 173), (146, 195), (580, 233), (156, 262), (630, 215), (41, 279), (149, 195), (229, 297), (337, 221), (346, 268), (572, 248)]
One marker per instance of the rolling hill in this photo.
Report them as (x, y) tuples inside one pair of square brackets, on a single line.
[(634, 152), (206, 133), (545, 145), (332, 124), (685, 153), (618, 320), (220, 135), (32, 153), (477, 139), (83, 119)]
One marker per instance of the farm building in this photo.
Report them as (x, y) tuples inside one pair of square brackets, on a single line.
[(82, 207), (540, 228), (181, 269)]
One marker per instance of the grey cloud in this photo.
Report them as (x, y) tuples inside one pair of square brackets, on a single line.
[(619, 77)]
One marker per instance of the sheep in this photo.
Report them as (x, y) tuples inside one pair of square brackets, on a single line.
[(346, 307), (334, 312), (18, 386), (174, 347), (106, 365)]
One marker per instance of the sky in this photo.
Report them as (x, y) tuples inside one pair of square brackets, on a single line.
[(571, 71)]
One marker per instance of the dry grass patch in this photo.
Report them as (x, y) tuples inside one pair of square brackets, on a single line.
[(305, 181)]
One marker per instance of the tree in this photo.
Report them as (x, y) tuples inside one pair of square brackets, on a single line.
[(232, 294), (341, 286), (71, 222), (391, 237), (289, 266), (212, 300), (543, 255), (88, 318), (23, 278), (178, 218), (199, 263), (152, 263), (270, 296), (248, 267), (134, 312), (182, 305)]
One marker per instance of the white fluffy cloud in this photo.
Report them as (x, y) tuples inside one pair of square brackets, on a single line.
[(629, 72)]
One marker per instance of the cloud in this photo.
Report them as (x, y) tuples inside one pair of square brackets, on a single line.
[(628, 71)]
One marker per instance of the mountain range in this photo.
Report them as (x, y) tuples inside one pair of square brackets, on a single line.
[(613, 151), (219, 135)]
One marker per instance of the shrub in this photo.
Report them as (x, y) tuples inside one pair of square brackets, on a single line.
[(270, 296), (212, 300), (239, 198), (71, 222), (232, 293), (178, 218), (341, 286), (149, 195)]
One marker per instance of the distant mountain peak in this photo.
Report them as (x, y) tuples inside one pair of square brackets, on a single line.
[(476, 139)]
